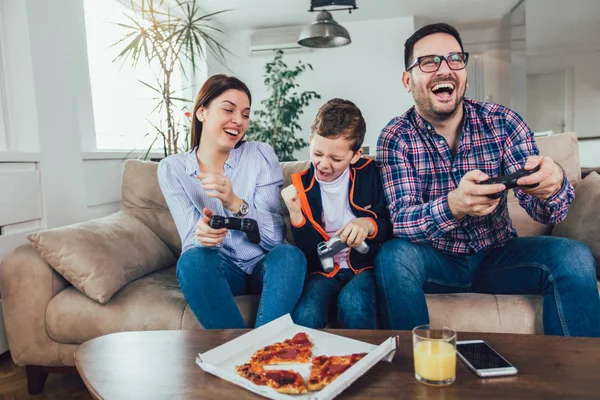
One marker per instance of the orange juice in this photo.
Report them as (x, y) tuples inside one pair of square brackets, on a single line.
[(435, 360)]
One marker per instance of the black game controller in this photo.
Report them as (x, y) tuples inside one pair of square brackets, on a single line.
[(247, 225), (510, 181)]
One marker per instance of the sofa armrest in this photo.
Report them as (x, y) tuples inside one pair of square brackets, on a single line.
[(27, 284)]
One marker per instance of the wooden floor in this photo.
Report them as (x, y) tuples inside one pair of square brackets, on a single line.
[(13, 384)]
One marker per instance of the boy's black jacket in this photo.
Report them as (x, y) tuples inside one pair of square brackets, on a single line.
[(367, 200)]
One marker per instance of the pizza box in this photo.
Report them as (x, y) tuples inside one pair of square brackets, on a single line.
[(222, 360)]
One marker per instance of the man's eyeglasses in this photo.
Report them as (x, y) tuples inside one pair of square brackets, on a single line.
[(432, 63)]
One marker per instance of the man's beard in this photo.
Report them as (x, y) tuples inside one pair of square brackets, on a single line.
[(427, 105)]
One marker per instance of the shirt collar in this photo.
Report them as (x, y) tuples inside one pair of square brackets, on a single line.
[(421, 124), (191, 163), (425, 126)]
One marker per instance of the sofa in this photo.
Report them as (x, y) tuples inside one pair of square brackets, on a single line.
[(117, 273)]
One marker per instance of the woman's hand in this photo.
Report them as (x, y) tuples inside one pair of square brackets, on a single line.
[(206, 235), (219, 186), (356, 231)]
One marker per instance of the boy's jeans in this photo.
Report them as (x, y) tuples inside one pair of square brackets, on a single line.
[(561, 270), (355, 296), (209, 284)]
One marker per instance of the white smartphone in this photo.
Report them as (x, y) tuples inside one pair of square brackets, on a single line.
[(482, 359)]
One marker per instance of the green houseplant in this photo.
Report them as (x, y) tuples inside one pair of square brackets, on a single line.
[(277, 122), (168, 35)]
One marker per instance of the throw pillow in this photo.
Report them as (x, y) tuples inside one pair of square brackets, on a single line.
[(583, 220), (101, 256)]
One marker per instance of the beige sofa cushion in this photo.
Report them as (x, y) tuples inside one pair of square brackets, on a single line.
[(101, 256), (583, 220), (153, 302), (141, 197)]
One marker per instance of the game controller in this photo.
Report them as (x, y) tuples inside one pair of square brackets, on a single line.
[(326, 251), (510, 181), (247, 225)]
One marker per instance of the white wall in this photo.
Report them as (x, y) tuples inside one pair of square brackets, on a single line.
[(585, 91), (367, 72), (491, 45), (46, 180), (565, 36), (589, 153)]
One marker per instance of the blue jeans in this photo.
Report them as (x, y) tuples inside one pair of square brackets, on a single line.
[(355, 295), (209, 284), (561, 270)]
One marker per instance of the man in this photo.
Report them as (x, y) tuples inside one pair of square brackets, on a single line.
[(452, 237)]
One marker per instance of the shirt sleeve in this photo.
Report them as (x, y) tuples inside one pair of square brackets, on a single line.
[(520, 145), (179, 203), (411, 218), (265, 207)]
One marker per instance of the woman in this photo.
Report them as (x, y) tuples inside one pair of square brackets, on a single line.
[(226, 176)]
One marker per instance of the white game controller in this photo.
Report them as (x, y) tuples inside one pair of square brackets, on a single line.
[(326, 251)]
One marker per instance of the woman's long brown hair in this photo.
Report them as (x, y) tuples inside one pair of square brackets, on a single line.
[(212, 88)]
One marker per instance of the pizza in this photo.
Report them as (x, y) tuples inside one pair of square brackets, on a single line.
[(283, 381), (297, 350), (326, 369)]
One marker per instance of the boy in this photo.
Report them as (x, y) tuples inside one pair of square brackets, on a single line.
[(340, 194)]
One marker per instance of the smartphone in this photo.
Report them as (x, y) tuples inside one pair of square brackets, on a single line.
[(482, 359)]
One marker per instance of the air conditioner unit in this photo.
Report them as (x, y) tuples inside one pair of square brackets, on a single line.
[(264, 41)]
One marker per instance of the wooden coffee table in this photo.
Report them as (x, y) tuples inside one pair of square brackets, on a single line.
[(161, 365)]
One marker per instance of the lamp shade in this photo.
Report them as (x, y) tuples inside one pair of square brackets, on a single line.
[(324, 32)]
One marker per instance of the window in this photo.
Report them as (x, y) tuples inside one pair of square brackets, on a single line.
[(122, 105)]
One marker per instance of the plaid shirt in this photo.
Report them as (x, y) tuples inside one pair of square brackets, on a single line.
[(418, 171)]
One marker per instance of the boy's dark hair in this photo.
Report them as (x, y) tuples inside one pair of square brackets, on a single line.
[(340, 118), (427, 30)]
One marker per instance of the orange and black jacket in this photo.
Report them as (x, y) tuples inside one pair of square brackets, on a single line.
[(367, 200)]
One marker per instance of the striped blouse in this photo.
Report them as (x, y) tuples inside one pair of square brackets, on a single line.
[(256, 176)]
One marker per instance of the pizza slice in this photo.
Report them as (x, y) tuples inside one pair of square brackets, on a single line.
[(326, 369), (283, 381), (297, 350)]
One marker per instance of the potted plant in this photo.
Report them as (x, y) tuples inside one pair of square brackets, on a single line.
[(277, 122), (171, 35)]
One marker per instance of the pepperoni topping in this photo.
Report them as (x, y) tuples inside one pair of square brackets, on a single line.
[(335, 369), (301, 339), (282, 377), (287, 353), (320, 360)]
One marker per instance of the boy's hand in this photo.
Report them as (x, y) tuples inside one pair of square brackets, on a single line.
[(292, 202), (356, 231)]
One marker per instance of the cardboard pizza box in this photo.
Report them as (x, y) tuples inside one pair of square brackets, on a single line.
[(222, 360)]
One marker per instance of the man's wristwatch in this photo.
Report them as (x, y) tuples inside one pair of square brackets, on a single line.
[(243, 210)]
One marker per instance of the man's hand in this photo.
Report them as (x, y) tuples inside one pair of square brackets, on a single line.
[(356, 231), (206, 235), (470, 198), (550, 177), (292, 202)]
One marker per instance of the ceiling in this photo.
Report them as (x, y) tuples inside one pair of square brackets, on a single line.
[(255, 14)]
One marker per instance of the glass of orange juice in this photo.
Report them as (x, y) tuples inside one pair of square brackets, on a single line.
[(434, 350)]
